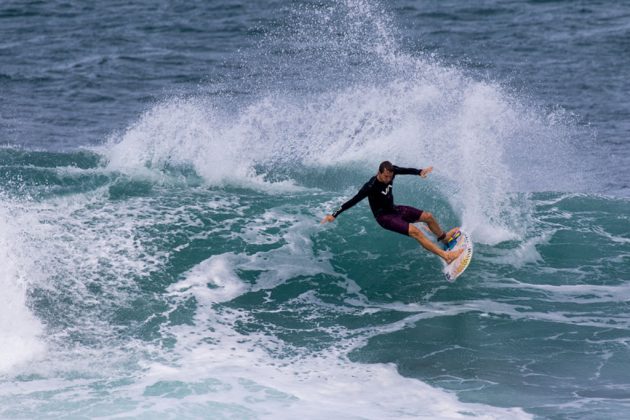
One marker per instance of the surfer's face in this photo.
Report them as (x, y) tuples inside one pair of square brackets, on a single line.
[(385, 176)]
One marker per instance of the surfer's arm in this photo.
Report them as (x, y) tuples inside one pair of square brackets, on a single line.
[(406, 171), (348, 204), (352, 202), (412, 171)]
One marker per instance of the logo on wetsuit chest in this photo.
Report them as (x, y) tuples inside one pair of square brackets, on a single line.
[(387, 190)]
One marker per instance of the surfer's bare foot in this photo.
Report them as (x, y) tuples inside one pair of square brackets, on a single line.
[(450, 256)]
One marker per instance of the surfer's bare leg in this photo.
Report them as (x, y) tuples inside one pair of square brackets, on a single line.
[(429, 245), (434, 226)]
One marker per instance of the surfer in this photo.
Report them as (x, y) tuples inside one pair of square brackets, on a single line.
[(399, 219)]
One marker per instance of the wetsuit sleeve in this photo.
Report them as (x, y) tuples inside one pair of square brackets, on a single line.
[(363, 192), (406, 171)]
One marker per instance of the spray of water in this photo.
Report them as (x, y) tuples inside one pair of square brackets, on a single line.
[(20, 331), (345, 93)]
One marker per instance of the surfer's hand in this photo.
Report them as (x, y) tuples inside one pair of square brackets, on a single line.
[(327, 219), (425, 172)]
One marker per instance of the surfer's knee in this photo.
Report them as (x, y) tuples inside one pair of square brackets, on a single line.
[(427, 217)]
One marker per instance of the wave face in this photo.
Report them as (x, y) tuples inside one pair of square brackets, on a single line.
[(469, 131), (179, 268), (160, 292)]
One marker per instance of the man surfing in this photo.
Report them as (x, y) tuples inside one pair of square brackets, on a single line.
[(399, 219)]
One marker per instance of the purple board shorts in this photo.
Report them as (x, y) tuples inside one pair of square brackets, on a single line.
[(399, 221)]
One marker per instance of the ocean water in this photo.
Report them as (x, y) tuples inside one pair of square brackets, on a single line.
[(164, 168)]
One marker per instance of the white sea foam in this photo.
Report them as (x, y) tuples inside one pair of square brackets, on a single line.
[(79, 255), (525, 253), (216, 280), (20, 331), (483, 142), (243, 380), (212, 280), (233, 372), (580, 293), (400, 121)]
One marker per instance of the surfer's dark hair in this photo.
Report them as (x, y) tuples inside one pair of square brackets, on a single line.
[(386, 165)]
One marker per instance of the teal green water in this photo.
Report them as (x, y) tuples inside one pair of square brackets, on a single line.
[(157, 287)]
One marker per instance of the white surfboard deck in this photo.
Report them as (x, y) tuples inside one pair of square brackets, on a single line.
[(457, 267)]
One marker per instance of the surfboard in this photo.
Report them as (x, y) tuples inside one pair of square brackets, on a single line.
[(461, 240)]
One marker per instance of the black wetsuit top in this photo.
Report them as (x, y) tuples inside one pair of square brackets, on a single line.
[(378, 193)]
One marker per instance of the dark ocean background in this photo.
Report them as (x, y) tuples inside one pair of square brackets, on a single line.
[(164, 167)]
